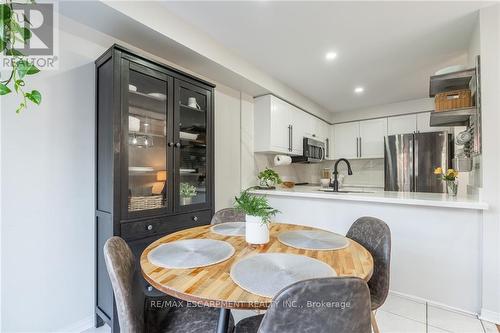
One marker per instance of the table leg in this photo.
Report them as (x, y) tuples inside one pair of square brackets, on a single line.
[(223, 322)]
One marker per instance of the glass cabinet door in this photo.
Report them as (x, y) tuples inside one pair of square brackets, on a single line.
[(192, 137), (148, 133)]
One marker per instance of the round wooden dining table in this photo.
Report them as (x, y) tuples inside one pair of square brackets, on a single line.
[(212, 285)]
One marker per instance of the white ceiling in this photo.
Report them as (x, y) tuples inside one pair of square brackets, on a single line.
[(389, 48)]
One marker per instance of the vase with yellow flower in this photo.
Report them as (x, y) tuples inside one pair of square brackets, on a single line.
[(450, 177)]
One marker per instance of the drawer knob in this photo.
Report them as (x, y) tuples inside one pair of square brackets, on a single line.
[(150, 227), (150, 288), (195, 218)]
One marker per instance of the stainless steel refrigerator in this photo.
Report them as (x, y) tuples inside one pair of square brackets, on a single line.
[(410, 160)]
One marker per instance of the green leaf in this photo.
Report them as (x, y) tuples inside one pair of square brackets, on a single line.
[(34, 96), (4, 90), (22, 68), (18, 84), (32, 70), (25, 33), (5, 12), (3, 44)]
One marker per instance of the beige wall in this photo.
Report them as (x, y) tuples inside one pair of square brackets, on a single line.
[(227, 145)]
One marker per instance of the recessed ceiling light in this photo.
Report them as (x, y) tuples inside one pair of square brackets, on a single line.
[(359, 90), (331, 55)]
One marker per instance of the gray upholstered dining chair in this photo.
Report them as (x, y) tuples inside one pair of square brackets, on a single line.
[(138, 313), (228, 215), (375, 236), (326, 305)]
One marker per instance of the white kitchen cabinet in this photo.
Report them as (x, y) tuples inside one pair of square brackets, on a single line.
[(329, 143), (279, 127), (299, 126), (371, 138), (345, 140), (423, 124), (402, 124), (272, 125), (359, 139)]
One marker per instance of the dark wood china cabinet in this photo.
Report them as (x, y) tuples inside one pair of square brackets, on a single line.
[(154, 157)]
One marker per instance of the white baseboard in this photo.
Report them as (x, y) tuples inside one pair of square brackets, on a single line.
[(79, 326), (434, 303), (491, 316)]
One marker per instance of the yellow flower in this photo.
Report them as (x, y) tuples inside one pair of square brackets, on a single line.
[(452, 173), (438, 171)]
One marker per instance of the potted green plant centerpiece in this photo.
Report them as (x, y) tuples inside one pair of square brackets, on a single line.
[(258, 216), (187, 192), (268, 179)]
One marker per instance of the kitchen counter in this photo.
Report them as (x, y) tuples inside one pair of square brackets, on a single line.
[(402, 198), (436, 239)]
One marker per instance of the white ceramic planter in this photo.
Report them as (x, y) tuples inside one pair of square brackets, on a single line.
[(256, 232), (186, 201)]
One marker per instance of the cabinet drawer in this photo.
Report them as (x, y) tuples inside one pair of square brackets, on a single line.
[(142, 229), (193, 219), (164, 225)]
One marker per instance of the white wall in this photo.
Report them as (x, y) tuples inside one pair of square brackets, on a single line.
[(490, 71), (227, 146), (411, 106), (48, 198)]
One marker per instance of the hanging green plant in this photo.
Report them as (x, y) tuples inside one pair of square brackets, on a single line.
[(14, 30)]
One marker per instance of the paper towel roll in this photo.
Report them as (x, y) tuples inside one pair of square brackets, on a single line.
[(282, 160)]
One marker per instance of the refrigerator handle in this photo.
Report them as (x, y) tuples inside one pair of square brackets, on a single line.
[(360, 152), (357, 147), (415, 163)]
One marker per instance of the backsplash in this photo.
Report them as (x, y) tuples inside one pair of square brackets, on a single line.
[(365, 172)]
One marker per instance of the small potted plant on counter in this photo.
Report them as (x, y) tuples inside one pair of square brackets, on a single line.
[(187, 192), (268, 179), (450, 177), (258, 216)]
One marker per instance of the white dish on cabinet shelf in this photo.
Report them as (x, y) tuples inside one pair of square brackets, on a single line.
[(134, 124), (140, 169), (159, 96)]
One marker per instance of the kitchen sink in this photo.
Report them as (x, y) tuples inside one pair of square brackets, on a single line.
[(341, 191)]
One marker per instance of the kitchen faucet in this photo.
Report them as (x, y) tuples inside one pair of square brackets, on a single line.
[(335, 183)]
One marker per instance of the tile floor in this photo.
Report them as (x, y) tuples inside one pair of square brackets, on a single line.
[(402, 315)]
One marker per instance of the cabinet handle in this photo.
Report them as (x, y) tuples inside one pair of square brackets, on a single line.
[(360, 152), (178, 145), (289, 137), (150, 227), (170, 144), (314, 135), (195, 218), (357, 147), (327, 153)]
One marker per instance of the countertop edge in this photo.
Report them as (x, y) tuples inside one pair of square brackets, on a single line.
[(359, 197)]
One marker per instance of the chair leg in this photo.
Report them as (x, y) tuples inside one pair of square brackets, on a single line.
[(374, 323)]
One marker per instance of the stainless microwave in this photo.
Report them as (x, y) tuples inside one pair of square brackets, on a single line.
[(313, 152)]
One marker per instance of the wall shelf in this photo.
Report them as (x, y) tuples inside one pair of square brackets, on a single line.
[(455, 117), (451, 81)]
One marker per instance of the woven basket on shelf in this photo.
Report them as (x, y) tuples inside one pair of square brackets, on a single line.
[(455, 99), (143, 203)]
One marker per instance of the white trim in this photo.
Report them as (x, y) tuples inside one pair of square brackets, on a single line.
[(491, 316), (79, 326)]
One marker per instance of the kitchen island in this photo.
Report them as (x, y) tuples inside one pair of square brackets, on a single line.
[(436, 239)]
